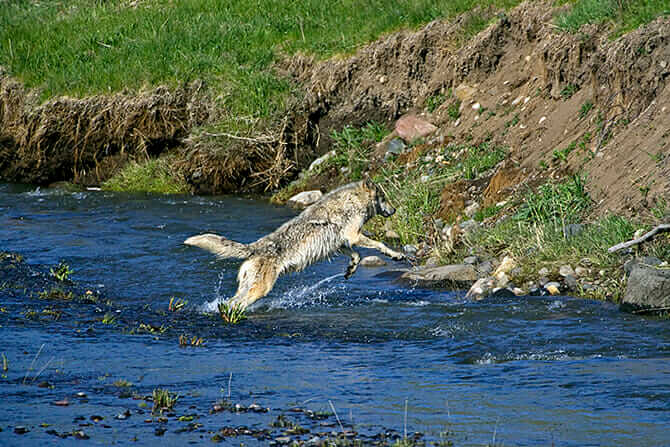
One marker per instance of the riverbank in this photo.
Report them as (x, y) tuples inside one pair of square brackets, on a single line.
[(548, 144)]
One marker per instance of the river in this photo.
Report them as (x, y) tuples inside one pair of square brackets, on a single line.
[(531, 371)]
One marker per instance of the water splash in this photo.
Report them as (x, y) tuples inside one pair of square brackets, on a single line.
[(213, 306), (306, 295)]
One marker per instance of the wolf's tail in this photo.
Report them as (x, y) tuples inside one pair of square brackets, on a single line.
[(220, 246)]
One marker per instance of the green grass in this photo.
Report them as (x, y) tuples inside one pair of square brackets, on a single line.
[(231, 314), (353, 146), (153, 176), (563, 203), (625, 15), (163, 400)]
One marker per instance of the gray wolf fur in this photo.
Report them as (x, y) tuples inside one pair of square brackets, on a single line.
[(330, 226)]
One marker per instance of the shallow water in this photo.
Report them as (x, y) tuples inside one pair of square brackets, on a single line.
[(517, 371)]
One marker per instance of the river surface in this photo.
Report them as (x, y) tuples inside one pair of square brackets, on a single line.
[(531, 371)]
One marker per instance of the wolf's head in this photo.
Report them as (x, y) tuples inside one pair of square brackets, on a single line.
[(378, 202)]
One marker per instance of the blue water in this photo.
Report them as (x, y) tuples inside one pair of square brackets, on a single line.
[(531, 371)]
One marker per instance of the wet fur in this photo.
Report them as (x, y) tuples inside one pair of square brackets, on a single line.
[(330, 226)]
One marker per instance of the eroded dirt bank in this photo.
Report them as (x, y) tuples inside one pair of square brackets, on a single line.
[(601, 103), (561, 102)]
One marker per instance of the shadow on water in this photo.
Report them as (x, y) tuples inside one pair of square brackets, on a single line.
[(534, 370)]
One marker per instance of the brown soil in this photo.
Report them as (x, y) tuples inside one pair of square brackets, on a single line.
[(531, 81)]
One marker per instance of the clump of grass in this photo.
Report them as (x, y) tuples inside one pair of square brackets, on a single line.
[(163, 400), (146, 327), (568, 91), (585, 109), (153, 176), (62, 271), (122, 383), (109, 318), (353, 146), (176, 304), (231, 314), (563, 202), (454, 110), (481, 158), (435, 101), (562, 154), (194, 341), (55, 293), (5, 363)]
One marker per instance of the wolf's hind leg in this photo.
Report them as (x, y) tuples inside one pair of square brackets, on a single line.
[(256, 278), (366, 242), (353, 264)]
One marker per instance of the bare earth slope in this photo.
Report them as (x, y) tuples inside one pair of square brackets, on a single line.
[(602, 104)]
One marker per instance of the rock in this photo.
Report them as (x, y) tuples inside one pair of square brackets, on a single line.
[(390, 234), (464, 92), (571, 230), (320, 160), (570, 282), (581, 272), (469, 225), (372, 261), (648, 289), (502, 279), (455, 276), (502, 292), (480, 289), (471, 260), (471, 210), (283, 439), (543, 271), (518, 292), (566, 270), (476, 106), (648, 260), (553, 288), (394, 147), (485, 268), (411, 127), (20, 430), (542, 120), (304, 199), (506, 265), (410, 249)]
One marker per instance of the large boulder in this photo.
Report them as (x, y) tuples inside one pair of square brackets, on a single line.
[(304, 199), (456, 276), (648, 289)]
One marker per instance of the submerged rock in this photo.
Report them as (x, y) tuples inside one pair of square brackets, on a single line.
[(648, 289), (304, 199), (372, 261), (456, 276)]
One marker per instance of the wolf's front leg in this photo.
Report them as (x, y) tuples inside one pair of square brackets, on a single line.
[(353, 264), (364, 241)]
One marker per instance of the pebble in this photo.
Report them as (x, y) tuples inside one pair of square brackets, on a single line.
[(566, 270), (471, 260), (553, 288), (390, 234), (410, 249), (471, 210), (543, 271), (476, 106), (542, 120), (517, 100)]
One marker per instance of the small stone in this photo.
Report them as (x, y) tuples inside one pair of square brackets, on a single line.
[(517, 100), (502, 279), (526, 99), (305, 199), (464, 92), (527, 58), (395, 147), (571, 282), (80, 394), (321, 159), (283, 439), (471, 210), (410, 249), (566, 270), (469, 225), (476, 106), (518, 292), (390, 234), (471, 260), (506, 265), (382, 79), (21, 430), (425, 178), (485, 268), (581, 272), (480, 289), (371, 261), (663, 64), (542, 120), (553, 288), (543, 271)]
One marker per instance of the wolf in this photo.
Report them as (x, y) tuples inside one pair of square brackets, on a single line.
[(330, 226)]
